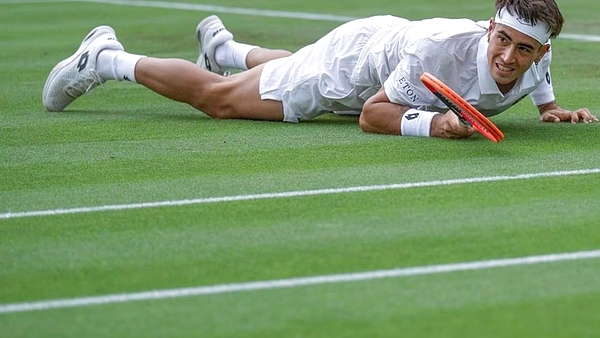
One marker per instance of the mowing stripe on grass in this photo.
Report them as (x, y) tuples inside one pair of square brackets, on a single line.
[(293, 282), (228, 10), (289, 194), (249, 11), (580, 37)]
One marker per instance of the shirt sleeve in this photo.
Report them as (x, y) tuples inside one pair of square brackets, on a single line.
[(544, 93), (451, 60), (404, 86), (404, 89)]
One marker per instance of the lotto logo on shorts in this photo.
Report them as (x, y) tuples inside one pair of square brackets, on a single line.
[(412, 96)]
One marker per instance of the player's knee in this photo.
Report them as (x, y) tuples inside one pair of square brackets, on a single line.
[(223, 112), (214, 101), (217, 110)]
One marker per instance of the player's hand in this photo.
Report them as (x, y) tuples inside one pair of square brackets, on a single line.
[(448, 126), (558, 114)]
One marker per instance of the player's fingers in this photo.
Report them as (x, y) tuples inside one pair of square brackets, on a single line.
[(547, 117), (454, 129), (460, 130), (574, 117), (586, 116)]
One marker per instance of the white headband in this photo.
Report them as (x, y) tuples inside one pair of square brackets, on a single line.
[(540, 31)]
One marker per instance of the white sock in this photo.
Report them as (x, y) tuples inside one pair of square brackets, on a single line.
[(232, 55), (117, 65)]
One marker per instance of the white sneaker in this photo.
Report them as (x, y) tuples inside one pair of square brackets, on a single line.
[(211, 33), (77, 75)]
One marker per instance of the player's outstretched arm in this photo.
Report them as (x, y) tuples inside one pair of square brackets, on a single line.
[(551, 112), (381, 116)]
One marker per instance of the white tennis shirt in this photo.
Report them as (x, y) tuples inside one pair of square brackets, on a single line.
[(454, 51)]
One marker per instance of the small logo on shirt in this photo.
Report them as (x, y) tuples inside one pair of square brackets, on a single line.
[(412, 96)]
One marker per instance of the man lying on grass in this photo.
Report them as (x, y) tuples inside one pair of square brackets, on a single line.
[(368, 66)]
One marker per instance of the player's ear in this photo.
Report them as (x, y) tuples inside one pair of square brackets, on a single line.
[(492, 23), (491, 28), (543, 50)]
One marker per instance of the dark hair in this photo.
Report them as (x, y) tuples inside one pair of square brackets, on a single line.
[(546, 11)]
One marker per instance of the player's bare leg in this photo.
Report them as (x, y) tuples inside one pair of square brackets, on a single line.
[(258, 56), (234, 97), (101, 57)]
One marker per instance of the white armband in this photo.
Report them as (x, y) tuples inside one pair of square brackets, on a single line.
[(416, 123)]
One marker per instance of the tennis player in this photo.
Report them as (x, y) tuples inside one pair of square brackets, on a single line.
[(368, 66)]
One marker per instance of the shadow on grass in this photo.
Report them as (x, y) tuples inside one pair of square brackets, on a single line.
[(194, 115), (537, 131)]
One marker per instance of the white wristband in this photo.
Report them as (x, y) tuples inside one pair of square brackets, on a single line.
[(416, 123)]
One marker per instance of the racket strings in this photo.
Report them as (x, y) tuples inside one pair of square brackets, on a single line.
[(453, 107), (464, 116)]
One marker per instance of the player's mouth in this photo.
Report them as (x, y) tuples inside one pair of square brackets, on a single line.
[(504, 69)]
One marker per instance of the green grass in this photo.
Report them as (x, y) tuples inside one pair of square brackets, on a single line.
[(124, 144)]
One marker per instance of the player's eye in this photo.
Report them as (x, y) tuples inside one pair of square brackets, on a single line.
[(525, 50)]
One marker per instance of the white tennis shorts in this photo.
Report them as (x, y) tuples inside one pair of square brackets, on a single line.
[(316, 79)]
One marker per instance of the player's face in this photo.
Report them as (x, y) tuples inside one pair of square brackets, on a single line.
[(510, 54)]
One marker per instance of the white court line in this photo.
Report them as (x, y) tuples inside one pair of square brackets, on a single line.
[(288, 194), (580, 37), (293, 282), (249, 11), (228, 10)]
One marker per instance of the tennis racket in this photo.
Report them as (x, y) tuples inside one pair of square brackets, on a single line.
[(466, 113)]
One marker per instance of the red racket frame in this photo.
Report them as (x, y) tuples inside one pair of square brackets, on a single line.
[(465, 111)]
